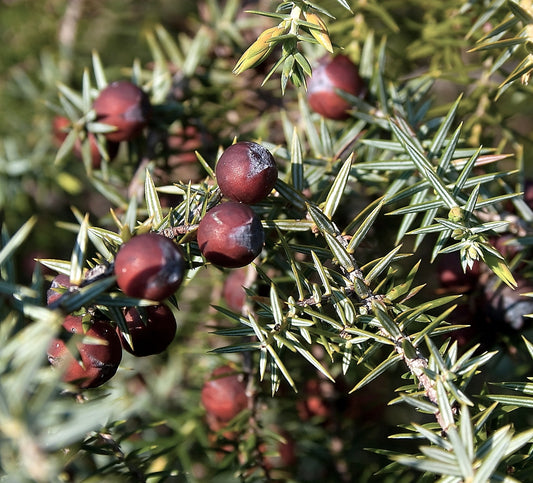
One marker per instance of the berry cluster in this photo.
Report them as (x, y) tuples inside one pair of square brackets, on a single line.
[(230, 234), (152, 266), (148, 266)]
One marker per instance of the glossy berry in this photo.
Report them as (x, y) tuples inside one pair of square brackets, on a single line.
[(224, 394), (125, 106), (94, 359), (150, 336), (230, 235), (149, 266), (331, 75), (246, 172)]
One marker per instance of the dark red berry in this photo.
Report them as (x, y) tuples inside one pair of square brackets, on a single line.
[(331, 75), (149, 266), (151, 335), (125, 106), (95, 358), (246, 172), (224, 394), (230, 235)]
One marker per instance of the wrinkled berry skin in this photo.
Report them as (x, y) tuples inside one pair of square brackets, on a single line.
[(99, 353), (149, 266), (150, 338), (338, 73), (124, 105), (230, 235), (224, 394), (246, 172)]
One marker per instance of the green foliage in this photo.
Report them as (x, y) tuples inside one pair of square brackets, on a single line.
[(356, 352)]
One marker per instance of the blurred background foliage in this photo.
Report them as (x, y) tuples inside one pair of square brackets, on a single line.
[(154, 423), (46, 43)]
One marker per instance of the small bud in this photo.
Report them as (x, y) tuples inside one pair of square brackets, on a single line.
[(473, 253), (458, 234), (259, 50), (456, 214), (321, 33)]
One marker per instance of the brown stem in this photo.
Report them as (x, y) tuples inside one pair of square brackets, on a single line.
[(417, 364)]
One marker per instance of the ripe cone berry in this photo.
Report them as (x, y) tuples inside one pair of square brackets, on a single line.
[(125, 106), (150, 336), (60, 128), (98, 353), (230, 235), (246, 172), (224, 394), (338, 73), (149, 266)]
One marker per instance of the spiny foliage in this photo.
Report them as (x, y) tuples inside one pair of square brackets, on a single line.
[(344, 301)]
